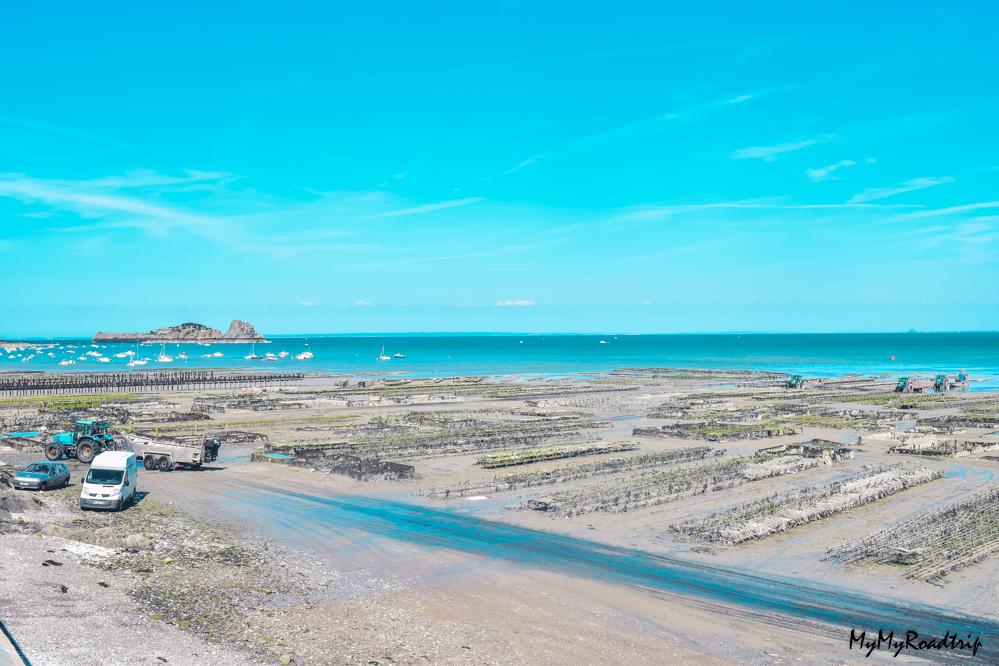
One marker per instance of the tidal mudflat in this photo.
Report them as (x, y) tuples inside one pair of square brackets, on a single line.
[(639, 516)]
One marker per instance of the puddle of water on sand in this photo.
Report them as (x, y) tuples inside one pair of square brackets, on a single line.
[(360, 522)]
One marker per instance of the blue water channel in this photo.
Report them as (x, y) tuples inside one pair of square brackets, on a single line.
[(336, 517)]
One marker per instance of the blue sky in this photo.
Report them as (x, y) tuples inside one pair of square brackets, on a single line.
[(499, 166)]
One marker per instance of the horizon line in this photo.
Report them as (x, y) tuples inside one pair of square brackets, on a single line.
[(360, 334)]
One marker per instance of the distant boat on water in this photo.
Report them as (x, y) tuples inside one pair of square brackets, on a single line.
[(398, 355), (163, 357), (383, 356), (603, 342), (253, 355)]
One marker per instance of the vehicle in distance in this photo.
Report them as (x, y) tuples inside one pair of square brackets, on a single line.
[(42, 476), (110, 482)]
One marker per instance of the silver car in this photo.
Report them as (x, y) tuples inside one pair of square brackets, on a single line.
[(42, 476)]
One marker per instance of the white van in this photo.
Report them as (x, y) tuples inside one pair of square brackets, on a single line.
[(110, 481)]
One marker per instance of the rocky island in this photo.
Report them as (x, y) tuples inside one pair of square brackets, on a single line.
[(239, 332)]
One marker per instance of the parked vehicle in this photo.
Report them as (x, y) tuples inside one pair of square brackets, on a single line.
[(42, 476), (88, 439), (110, 482), (167, 454)]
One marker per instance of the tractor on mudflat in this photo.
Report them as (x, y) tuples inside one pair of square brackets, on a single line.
[(86, 440)]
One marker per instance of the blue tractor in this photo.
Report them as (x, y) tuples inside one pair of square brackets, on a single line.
[(85, 441)]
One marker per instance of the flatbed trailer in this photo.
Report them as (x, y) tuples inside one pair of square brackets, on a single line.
[(168, 454)]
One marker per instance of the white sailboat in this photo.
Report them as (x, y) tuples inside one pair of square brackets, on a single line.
[(306, 355), (253, 355), (135, 360), (383, 356), (163, 357)]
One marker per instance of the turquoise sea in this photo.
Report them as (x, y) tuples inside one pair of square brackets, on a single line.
[(503, 354)]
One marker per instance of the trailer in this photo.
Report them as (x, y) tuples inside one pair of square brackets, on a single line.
[(169, 454)]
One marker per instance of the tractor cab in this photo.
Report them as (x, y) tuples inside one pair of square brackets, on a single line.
[(904, 385), (95, 429)]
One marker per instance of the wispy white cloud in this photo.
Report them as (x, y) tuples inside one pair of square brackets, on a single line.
[(429, 208), (309, 304), (953, 210), (524, 163), (514, 303), (660, 212), (770, 153), (874, 194), (977, 241), (828, 172), (90, 202), (362, 303), (643, 127), (144, 178)]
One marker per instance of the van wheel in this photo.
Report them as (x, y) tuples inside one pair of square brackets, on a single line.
[(165, 464)]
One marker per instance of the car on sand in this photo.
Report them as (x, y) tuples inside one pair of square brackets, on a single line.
[(41, 476)]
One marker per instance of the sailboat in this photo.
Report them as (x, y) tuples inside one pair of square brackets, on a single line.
[(306, 355), (383, 356), (163, 357), (398, 355), (253, 355)]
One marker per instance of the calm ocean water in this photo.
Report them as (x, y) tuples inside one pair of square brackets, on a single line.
[(429, 355)]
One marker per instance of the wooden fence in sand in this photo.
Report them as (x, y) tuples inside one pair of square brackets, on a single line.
[(139, 382)]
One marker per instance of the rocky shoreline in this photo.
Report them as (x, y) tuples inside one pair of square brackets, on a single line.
[(239, 332)]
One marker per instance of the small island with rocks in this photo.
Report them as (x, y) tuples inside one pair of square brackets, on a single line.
[(239, 332)]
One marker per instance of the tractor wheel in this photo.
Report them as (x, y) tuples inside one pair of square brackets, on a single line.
[(165, 465), (85, 450), (53, 452), (150, 462)]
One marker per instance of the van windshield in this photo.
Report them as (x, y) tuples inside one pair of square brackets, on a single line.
[(108, 477)]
